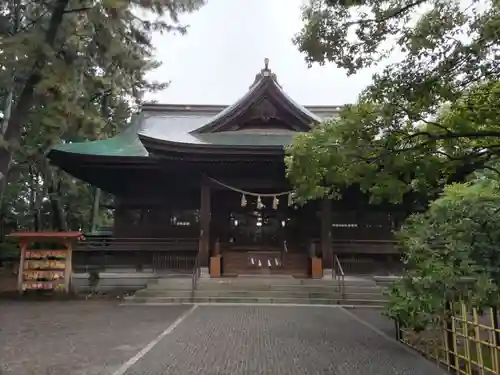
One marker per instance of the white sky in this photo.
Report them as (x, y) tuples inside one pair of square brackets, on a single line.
[(227, 41)]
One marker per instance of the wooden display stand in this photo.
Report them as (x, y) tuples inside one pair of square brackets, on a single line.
[(45, 269), (316, 268)]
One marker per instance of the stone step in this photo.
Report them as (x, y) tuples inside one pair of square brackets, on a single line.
[(288, 280), (172, 283), (304, 288), (253, 300), (281, 287), (293, 292), (235, 271), (281, 281), (275, 289), (266, 280), (260, 294), (264, 287), (366, 289)]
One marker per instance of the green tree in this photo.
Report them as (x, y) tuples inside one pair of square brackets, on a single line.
[(101, 46), (454, 241), (424, 123), (427, 120), (364, 147), (81, 85)]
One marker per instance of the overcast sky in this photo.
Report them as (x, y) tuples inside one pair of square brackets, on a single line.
[(225, 47)]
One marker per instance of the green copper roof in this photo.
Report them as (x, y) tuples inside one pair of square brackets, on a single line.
[(124, 144), (182, 125), (172, 128)]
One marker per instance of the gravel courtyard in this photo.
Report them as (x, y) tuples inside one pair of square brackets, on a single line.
[(103, 338)]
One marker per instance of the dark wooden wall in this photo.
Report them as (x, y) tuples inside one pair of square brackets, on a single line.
[(155, 218), (172, 211)]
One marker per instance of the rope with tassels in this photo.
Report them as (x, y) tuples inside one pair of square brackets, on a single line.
[(245, 193)]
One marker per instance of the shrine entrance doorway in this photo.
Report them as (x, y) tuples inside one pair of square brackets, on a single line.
[(258, 245), (263, 229)]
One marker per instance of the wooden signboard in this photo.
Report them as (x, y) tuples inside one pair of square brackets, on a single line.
[(42, 268)]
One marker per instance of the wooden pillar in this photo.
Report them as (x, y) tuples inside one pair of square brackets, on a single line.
[(326, 233), (23, 246), (204, 241), (68, 271)]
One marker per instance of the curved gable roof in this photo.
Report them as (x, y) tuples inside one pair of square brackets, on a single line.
[(264, 86)]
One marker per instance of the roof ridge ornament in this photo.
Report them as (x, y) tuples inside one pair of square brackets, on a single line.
[(266, 72)]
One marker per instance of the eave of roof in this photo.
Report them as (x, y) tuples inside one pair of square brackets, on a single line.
[(156, 146), (124, 144)]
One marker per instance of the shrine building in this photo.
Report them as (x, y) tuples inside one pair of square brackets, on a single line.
[(194, 181)]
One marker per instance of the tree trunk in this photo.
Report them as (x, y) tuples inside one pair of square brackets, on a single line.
[(3, 186), (12, 135), (59, 222), (95, 210), (33, 199)]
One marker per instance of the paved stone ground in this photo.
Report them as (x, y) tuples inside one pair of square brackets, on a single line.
[(374, 317), (97, 338), (75, 337), (261, 340)]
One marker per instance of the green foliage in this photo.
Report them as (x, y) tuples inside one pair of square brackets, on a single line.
[(434, 33), (94, 278), (75, 70), (367, 146), (349, 151), (428, 120), (9, 250), (451, 247)]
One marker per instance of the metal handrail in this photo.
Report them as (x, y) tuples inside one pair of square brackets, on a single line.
[(338, 274), (195, 275), (284, 251)]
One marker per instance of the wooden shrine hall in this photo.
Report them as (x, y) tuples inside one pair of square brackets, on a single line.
[(210, 180)]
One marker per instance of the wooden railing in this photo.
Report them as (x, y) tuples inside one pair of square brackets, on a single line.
[(385, 247), (362, 246), (136, 244), (195, 274), (172, 261), (158, 255)]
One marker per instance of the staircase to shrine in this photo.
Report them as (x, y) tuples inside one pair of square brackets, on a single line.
[(261, 290)]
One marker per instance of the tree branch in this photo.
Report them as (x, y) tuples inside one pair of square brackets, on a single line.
[(387, 17), (26, 98), (451, 135), (76, 10), (492, 169), (31, 22)]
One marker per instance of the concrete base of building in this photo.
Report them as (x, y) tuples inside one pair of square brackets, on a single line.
[(327, 274), (204, 273)]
